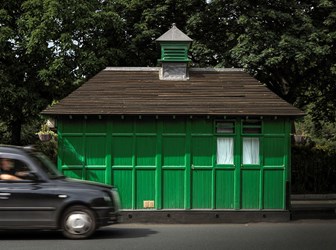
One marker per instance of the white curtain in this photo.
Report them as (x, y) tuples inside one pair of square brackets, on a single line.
[(224, 150), (250, 150)]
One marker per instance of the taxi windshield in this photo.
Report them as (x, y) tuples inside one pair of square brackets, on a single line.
[(46, 165)]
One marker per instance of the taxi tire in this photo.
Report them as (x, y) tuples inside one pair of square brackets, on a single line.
[(78, 222)]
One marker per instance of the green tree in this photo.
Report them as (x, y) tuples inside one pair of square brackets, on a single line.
[(290, 46), (215, 31), (286, 44), (47, 48), (147, 20)]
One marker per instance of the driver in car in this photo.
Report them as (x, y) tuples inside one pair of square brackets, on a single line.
[(8, 171)]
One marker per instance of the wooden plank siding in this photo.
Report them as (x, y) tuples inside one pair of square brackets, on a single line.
[(128, 91)]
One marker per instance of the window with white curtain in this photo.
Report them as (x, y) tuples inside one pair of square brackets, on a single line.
[(250, 150), (224, 150)]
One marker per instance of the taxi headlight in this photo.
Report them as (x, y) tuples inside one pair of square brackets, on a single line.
[(107, 198), (116, 197)]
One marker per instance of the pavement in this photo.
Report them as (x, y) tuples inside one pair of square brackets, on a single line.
[(313, 206)]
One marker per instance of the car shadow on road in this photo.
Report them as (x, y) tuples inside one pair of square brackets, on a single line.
[(123, 233), (23, 235), (103, 233)]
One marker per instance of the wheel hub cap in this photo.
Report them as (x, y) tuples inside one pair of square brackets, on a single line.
[(78, 223)]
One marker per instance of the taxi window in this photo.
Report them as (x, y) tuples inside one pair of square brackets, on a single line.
[(13, 169)]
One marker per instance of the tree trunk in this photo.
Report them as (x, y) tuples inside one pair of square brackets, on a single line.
[(15, 131)]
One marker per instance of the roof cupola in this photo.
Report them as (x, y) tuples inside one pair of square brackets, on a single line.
[(174, 54)]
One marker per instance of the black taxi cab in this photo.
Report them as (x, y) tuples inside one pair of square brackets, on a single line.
[(34, 195)]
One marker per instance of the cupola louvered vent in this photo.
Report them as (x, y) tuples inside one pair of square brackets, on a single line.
[(174, 54)]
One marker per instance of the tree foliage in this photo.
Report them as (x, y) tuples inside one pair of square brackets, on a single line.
[(290, 46), (147, 20), (49, 47), (286, 44)]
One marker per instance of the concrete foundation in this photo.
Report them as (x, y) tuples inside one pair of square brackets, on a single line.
[(203, 217)]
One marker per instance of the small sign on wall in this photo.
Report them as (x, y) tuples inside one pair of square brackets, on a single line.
[(148, 204)]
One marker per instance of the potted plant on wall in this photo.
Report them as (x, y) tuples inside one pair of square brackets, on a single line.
[(299, 135), (45, 134)]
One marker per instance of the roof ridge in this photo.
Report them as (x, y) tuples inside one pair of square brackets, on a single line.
[(158, 68), (132, 69)]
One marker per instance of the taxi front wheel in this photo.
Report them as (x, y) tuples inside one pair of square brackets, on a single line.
[(78, 222)]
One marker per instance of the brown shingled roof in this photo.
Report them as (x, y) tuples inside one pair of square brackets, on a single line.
[(138, 91)]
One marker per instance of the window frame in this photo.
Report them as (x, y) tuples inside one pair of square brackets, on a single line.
[(257, 129), (252, 124), (232, 135), (234, 127)]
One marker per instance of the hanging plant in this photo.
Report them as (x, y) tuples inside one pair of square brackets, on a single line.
[(45, 134)]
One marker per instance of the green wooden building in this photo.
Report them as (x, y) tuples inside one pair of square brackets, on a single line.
[(179, 139)]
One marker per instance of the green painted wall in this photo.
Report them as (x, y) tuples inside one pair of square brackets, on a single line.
[(168, 163)]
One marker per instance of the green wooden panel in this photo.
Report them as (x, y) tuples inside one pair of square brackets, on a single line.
[(145, 187), (174, 151), (225, 189), (173, 189), (174, 126), (95, 126), (145, 150), (274, 151), (122, 179), (95, 174), (122, 126), (72, 126), (73, 150), (274, 127), (95, 147), (73, 173), (202, 151), (201, 189), (250, 189), (145, 126), (274, 197), (134, 145), (201, 126), (122, 150)]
